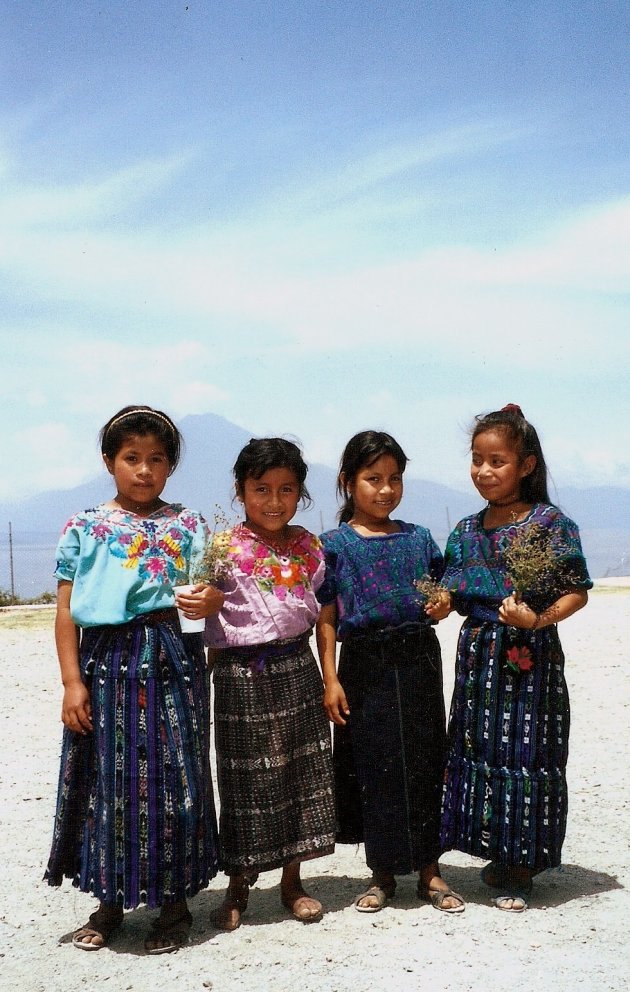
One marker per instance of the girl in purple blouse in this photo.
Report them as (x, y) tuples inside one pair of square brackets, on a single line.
[(274, 770)]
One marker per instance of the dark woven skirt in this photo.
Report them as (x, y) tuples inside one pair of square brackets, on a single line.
[(135, 820), (505, 795), (274, 770), (389, 758)]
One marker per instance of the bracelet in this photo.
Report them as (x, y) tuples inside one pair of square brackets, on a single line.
[(536, 622)]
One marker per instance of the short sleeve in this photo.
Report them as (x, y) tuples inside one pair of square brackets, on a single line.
[(571, 564), (327, 591), (67, 554)]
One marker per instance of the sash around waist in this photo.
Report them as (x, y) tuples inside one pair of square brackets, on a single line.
[(386, 635)]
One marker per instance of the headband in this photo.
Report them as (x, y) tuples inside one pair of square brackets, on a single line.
[(133, 413)]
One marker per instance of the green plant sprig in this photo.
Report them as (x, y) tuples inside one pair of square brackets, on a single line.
[(530, 559), (214, 565), (434, 592)]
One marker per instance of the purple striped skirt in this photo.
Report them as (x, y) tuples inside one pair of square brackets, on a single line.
[(135, 819)]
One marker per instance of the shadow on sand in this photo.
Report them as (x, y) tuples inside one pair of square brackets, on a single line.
[(552, 888)]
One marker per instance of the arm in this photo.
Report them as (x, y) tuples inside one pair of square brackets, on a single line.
[(521, 615), (335, 702), (439, 603), (76, 708)]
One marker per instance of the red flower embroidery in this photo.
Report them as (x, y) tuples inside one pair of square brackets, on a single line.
[(520, 659)]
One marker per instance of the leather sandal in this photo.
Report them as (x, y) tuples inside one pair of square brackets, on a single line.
[(437, 896), (380, 892), (102, 923), (168, 935), (228, 915)]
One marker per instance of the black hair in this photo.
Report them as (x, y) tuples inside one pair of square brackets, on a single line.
[(262, 454), (141, 420), (511, 422), (363, 450)]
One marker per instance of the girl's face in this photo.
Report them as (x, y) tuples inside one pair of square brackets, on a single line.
[(497, 467), (271, 501), (140, 469), (376, 491)]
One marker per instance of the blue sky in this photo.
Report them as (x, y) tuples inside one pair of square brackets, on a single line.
[(312, 218)]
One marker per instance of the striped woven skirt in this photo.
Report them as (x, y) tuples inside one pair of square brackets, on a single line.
[(274, 769), (389, 758), (505, 795), (135, 820)]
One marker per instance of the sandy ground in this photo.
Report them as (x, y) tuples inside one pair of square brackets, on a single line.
[(574, 935)]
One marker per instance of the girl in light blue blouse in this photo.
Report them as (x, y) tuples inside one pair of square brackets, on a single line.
[(135, 820)]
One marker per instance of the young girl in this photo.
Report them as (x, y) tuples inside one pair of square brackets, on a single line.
[(272, 739), (135, 820), (505, 795), (387, 703)]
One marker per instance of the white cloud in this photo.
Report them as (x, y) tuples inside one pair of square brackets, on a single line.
[(392, 159), (458, 296), (549, 310), (39, 207), (51, 455)]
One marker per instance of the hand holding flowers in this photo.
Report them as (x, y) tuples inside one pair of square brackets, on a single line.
[(437, 598), (203, 598)]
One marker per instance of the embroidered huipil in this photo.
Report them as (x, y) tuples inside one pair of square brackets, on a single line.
[(122, 565), (269, 594)]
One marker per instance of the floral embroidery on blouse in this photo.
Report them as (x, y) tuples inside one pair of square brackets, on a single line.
[(283, 574), (155, 551)]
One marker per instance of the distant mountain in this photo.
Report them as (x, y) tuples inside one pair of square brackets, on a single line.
[(204, 480)]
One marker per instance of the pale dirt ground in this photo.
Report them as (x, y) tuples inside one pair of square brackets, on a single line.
[(575, 936)]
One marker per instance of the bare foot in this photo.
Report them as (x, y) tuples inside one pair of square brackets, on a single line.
[(305, 908)]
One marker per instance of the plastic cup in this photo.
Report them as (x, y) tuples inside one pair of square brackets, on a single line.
[(189, 626)]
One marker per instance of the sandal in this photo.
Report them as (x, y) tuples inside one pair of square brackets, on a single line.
[(102, 924), (516, 896), (168, 935), (381, 893), (228, 915), (437, 896), (514, 885)]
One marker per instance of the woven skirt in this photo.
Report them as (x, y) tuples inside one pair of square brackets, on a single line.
[(505, 795), (135, 820), (389, 758), (274, 768)]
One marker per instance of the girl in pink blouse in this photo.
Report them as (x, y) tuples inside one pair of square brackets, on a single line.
[(274, 769)]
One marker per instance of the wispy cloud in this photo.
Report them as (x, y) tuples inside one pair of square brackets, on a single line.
[(55, 209)]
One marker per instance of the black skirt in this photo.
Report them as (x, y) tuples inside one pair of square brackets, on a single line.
[(389, 759)]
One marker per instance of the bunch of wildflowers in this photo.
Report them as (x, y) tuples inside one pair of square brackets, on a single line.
[(434, 593), (214, 565), (531, 560)]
